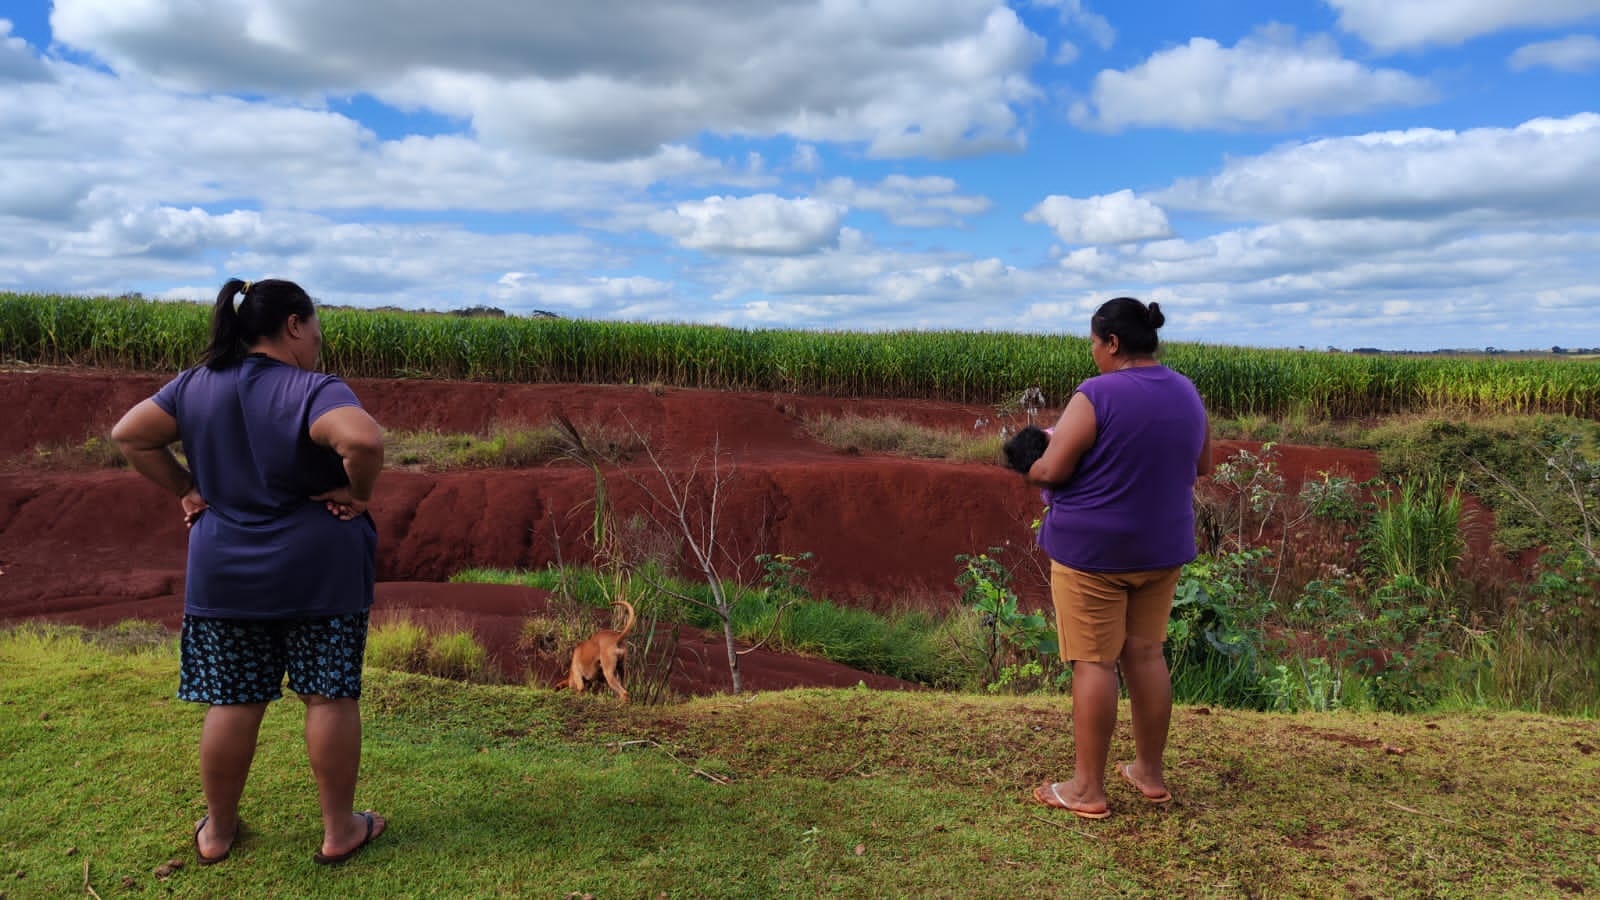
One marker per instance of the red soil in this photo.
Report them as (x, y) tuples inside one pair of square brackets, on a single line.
[(101, 546)]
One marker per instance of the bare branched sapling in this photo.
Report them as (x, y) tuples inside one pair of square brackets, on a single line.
[(689, 503)]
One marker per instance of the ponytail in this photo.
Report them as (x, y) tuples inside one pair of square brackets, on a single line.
[(246, 312)]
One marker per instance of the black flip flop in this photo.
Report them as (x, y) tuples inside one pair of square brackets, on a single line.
[(322, 859), (205, 860)]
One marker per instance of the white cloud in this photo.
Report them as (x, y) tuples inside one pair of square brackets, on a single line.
[(1266, 80), (150, 147), (371, 264), (806, 159), (521, 292), (1342, 272), (1076, 15), (763, 223), (859, 285), (1106, 219), (1541, 169), (926, 202), (605, 81), (1574, 53), (1390, 25), (17, 60)]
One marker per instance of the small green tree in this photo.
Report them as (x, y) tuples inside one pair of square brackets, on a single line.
[(985, 584)]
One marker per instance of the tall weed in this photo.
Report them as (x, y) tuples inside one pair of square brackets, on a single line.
[(1416, 532)]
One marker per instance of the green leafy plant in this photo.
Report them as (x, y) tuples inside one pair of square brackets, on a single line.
[(1331, 497), (1309, 684), (785, 574), (985, 584), (1213, 646), (1256, 487)]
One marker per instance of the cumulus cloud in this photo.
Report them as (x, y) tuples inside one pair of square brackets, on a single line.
[(1391, 25), (1266, 80), (1107, 219), (874, 288), (147, 146), (926, 202), (522, 292), (1300, 278), (606, 81), (762, 223), (1076, 15), (123, 246), (806, 159), (1541, 169), (17, 60), (1574, 53)]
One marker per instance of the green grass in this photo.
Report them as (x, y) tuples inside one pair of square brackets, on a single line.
[(912, 645), (509, 791), (891, 434)]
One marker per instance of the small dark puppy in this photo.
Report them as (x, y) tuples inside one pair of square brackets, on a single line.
[(1024, 448)]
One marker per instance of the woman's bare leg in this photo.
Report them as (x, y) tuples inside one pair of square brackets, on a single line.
[(333, 744), (227, 747), (1149, 684)]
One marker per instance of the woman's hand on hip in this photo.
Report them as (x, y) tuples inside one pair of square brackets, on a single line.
[(193, 506), (342, 504)]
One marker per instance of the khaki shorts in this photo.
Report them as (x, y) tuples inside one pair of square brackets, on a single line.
[(1096, 611)]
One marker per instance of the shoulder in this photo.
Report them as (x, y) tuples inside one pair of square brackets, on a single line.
[(182, 380), (1092, 384), (286, 374), (1183, 381)]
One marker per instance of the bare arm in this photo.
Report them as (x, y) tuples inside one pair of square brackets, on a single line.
[(1203, 465), (353, 434), (145, 435), (1074, 435)]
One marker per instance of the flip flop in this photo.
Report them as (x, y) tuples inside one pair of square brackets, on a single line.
[(1047, 795), (1123, 770), (205, 860), (322, 859)]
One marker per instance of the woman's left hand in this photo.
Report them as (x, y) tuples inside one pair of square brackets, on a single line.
[(193, 506)]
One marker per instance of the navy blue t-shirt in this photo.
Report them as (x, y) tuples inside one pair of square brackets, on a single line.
[(263, 549)]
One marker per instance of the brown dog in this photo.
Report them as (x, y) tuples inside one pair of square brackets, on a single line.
[(602, 654)]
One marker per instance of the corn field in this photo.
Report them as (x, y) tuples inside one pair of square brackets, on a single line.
[(965, 367)]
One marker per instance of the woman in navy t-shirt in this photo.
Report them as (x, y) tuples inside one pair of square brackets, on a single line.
[(1121, 466), (282, 461)]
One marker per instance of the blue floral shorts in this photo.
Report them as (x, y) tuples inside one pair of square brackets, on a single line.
[(227, 661)]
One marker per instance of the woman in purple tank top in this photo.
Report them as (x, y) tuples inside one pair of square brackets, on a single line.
[(1120, 470), (281, 464)]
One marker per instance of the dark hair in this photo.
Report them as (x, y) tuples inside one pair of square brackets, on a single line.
[(1024, 448), (263, 308), (1132, 322)]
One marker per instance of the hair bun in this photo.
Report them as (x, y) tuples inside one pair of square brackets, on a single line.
[(1153, 315)]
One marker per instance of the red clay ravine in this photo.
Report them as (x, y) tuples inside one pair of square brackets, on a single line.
[(97, 547)]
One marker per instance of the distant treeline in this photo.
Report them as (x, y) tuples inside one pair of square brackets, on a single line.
[(991, 368)]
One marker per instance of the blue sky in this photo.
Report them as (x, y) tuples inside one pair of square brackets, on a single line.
[(1403, 174)]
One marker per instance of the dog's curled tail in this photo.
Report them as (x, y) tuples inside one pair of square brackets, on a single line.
[(627, 624)]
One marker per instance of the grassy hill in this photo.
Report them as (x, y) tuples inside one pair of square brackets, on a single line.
[(511, 791)]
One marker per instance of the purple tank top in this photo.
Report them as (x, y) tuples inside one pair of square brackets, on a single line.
[(1129, 506)]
